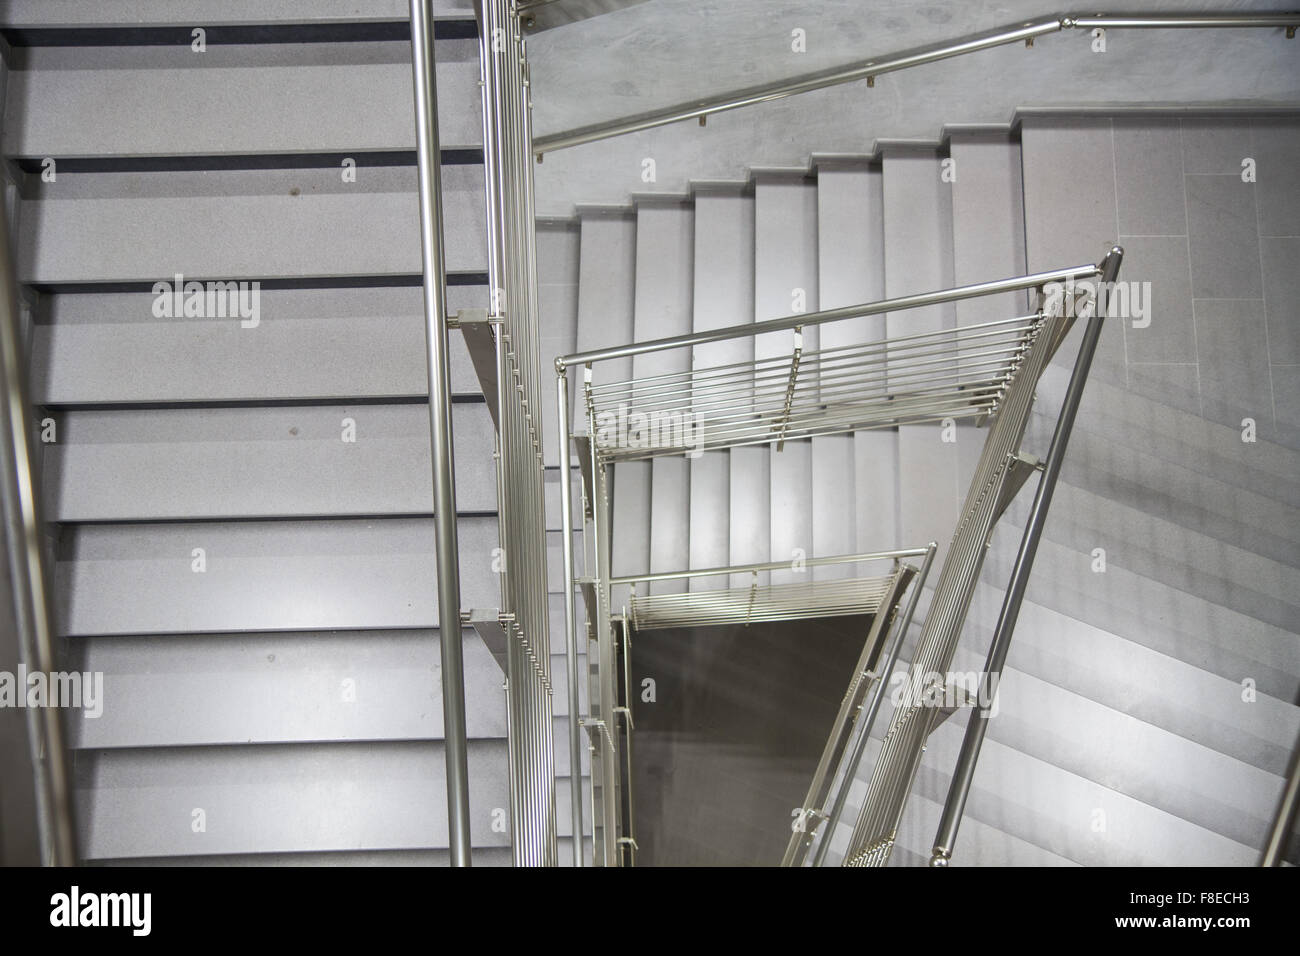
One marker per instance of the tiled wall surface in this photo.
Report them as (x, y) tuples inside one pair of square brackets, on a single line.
[(1221, 252)]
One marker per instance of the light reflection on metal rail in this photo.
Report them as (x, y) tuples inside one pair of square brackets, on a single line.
[(1023, 32)]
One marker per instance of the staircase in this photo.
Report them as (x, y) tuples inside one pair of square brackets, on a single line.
[(241, 513), (1150, 703)]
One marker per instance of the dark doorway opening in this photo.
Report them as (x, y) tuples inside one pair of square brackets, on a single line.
[(724, 754)]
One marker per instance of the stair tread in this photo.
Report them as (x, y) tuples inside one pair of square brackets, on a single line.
[(294, 224), (205, 463), (1180, 624), (66, 13), (262, 575), (309, 345), (280, 798), (348, 98)]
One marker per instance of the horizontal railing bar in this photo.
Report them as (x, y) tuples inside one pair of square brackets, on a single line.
[(768, 566), (842, 401), (854, 593), (900, 304), (890, 63), (838, 427), (781, 363), (918, 398), (883, 357), (958, 369)]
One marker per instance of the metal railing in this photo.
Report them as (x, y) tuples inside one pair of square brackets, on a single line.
[(513, 314), (868, 676), (969, 372), (950, 373), (29, 576), (994, 481), (754, 602), (877, 596), (1025, 31), (848, 770), (977, 726), (989, 370)]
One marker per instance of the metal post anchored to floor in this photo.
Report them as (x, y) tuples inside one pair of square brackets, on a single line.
[(444, 492), (977, 727), (570, 633)]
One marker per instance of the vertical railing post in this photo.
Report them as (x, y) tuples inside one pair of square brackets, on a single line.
[(570, 617), (444, 492), (977, 726), (29, 579)]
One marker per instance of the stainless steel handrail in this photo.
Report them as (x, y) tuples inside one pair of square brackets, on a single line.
[(977, 726), (904, 743), (29, 577), (899, 304), (1024, 31), (767, 566), (444, 492), (1036, 350)]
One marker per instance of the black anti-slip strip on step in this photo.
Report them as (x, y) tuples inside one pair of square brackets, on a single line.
[(305, 282), (363, 32), (182, 164)]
